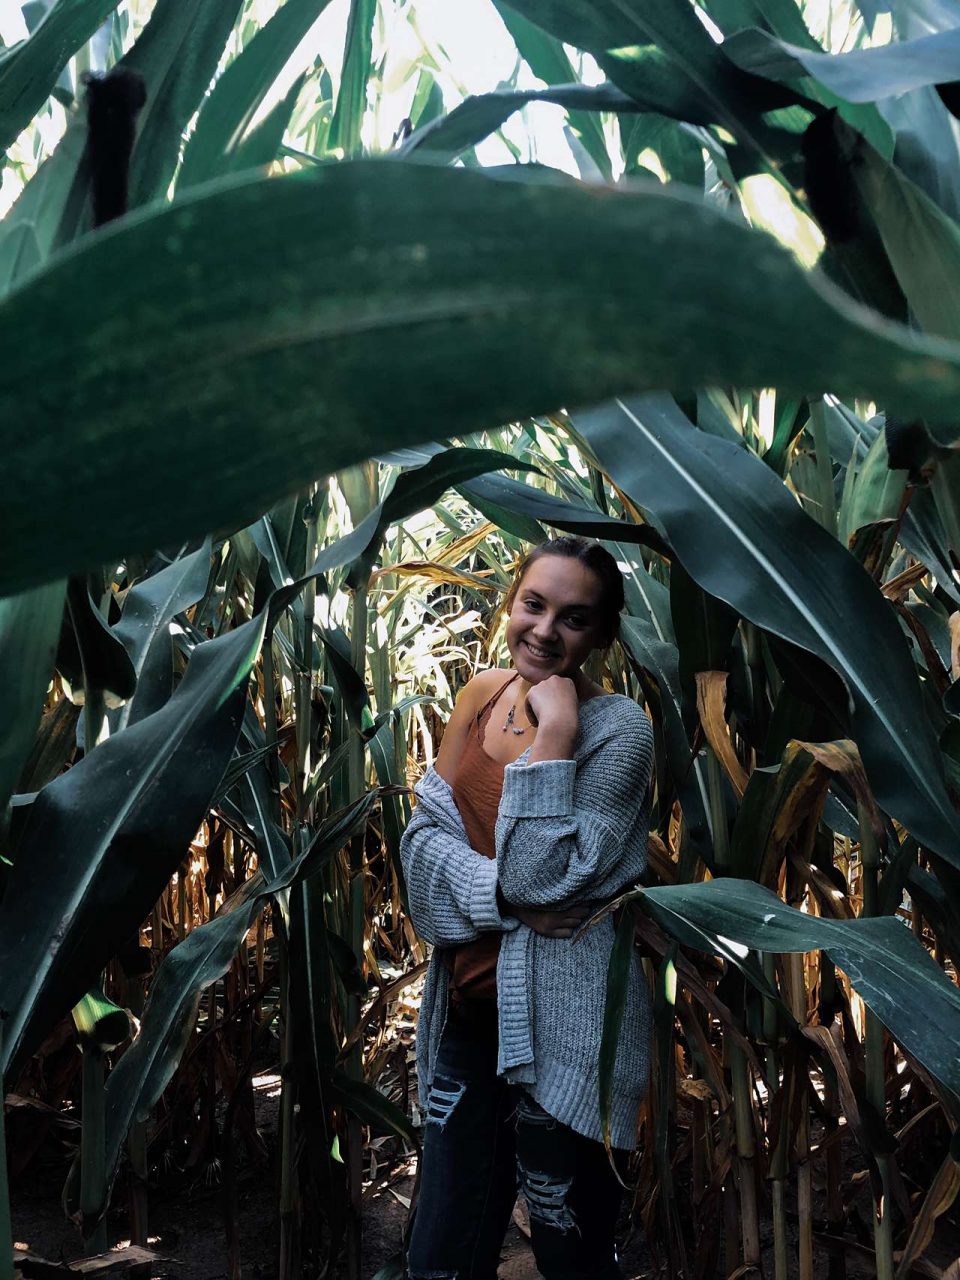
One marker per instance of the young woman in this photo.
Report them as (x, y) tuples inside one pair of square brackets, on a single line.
[(535, 813)]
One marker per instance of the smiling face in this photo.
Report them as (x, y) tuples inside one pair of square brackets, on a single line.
[(555, 618)]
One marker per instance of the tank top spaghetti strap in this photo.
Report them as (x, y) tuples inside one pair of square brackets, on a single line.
[(477, 787)]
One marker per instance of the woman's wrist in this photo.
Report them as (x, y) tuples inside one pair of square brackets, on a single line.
[(503, 906), (554, 741)]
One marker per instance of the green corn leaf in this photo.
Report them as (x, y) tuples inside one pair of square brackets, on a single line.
[(29, 630), (738, 538), (547, 59), (660, 659), (618, 978), (373, 1108), (226, 116), (921, 241), (639, 43), (862, 75), (100, 1022), (105, 662), (137, 1081), (262, 144), (29, 70), (104, 838), (357, 60), (244, 368), (477, 117), (887, 966), (144, 630)]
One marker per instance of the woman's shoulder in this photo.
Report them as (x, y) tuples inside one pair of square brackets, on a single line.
[(612, 715), (608, 707)]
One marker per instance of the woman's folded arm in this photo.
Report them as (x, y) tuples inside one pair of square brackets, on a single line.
[(451, 888), (564, 825)]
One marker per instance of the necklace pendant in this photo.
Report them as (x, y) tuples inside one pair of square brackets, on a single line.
[(508, 723)]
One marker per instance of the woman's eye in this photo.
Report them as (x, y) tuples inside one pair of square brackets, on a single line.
[(532, 604), (577, 622)]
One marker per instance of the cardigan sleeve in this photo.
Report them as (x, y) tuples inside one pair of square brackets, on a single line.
[(451, 888), (564, 825)]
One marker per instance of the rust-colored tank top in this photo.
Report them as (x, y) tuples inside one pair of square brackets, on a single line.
[(476, 790)]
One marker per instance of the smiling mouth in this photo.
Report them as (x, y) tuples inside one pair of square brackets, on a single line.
[(539, 653)]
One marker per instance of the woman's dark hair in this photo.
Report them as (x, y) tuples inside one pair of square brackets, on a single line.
[(595, 558)]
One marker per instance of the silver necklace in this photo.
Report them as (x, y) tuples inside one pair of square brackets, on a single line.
[(508, 723)]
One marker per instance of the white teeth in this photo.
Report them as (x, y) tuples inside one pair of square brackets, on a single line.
[(540, 653)]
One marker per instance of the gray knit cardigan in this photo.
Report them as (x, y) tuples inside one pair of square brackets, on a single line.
[(567, 831)]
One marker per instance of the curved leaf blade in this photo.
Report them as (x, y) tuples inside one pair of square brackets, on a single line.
[(104, 838), (226, 116), (371, 336), (887, 966), (861, 75), (739, 540), (29, 630), (29, 70)]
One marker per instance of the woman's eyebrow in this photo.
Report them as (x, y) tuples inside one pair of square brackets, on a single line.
[(530, 592)]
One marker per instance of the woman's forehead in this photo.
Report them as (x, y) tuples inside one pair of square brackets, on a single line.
[(564, 580)]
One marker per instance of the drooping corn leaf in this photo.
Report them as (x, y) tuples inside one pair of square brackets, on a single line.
[(479, 116), (104, 838), (889, 969), (861, 75), (741, 541), (364, 336)]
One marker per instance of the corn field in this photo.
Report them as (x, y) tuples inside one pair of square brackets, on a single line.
[(300, 355)]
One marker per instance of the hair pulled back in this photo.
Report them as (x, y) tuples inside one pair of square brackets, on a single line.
[(595, 558)]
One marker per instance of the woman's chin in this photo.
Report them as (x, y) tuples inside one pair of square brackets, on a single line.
[(532, 668)]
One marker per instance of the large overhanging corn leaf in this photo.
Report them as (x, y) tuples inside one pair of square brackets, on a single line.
[(747, 541), (886, 964), (228, 348), (104, 838)]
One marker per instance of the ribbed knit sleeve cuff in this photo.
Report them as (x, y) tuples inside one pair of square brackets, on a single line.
[(543, 789), (483, 898)]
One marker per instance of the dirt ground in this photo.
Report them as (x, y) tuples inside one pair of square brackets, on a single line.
[(186, 1227), (189, 1233)]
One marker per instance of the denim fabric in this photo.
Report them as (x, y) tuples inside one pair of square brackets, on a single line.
[(485, 1140)]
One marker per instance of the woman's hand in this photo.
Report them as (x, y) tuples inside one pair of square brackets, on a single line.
[(553, 924), (554, 702)]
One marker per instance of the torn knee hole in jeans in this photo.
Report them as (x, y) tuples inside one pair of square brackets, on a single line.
[(440, 1104), (546, 1197)]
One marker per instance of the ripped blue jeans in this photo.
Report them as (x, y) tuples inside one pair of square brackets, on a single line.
[(485, 1141)]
